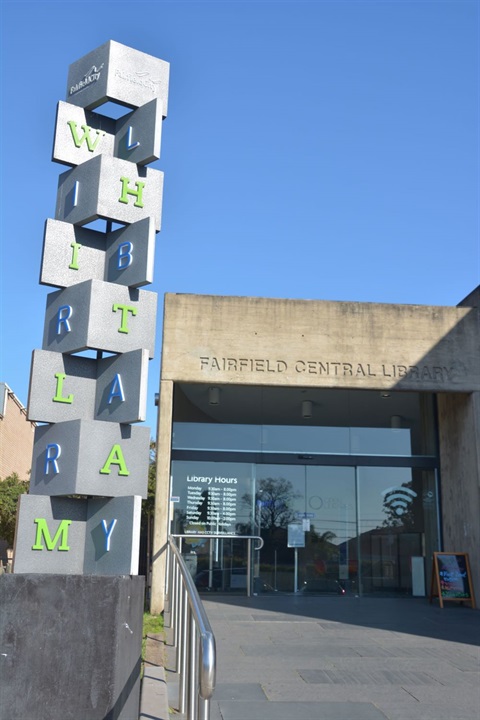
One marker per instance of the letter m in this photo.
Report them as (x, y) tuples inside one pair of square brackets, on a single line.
[(91, 144), (44, 533)]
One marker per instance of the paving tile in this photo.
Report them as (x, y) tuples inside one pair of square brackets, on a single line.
[(300, 711), (401, 711), (298, 650), (249, 674), (448, 695), (365, 677), (239, 692), (304, 692)]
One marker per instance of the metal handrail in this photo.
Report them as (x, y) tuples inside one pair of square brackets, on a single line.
[(192, 633), (194, 639), (223, 536)]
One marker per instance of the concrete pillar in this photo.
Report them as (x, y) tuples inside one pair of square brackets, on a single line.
[(162, 496), (459, 429)]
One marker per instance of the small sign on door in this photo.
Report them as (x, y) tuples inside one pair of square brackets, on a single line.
[(296, 535)]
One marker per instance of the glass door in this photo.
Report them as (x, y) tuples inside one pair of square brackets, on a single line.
[(319, 504), (279, 502), (396, 521), (357, 529), (330, 556)]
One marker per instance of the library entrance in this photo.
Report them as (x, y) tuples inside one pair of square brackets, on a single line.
[(342, 496)]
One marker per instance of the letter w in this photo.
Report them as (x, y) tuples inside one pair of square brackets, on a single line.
[(43, 532), (85, 137)]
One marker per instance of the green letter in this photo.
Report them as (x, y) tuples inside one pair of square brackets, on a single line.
[(125, 310), (42, 531), (75, 248), (115, 458), (85, 137), (136, 193), (58, 395)]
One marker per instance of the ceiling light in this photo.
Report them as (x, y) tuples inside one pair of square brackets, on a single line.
[(214, 396), (307, 409)]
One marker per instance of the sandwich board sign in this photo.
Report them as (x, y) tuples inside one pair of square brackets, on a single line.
[(452, 578)]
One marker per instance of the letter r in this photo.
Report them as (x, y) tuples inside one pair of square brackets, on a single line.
[(63, 315), (53, 452)]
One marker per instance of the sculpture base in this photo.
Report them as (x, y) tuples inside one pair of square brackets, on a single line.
[(70, 647)]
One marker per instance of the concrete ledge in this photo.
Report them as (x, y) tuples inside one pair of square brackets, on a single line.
[(154, 694)]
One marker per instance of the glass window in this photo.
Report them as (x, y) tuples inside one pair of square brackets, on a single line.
[(211, 497), (380, 441), (272, 419), (292, 439), (208, 436)]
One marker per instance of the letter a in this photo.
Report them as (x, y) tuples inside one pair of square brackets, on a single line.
[(115, 458), (116, 389)]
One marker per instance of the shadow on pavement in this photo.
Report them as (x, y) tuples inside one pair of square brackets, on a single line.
[(415, 616)]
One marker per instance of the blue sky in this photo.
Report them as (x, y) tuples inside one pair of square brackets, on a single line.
[(317, 150)]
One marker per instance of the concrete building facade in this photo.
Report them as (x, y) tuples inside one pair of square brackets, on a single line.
[(345, 434)]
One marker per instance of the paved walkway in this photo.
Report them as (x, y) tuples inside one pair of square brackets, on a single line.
[(343, 658)]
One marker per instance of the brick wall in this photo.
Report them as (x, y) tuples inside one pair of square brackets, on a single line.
[(16, 436)]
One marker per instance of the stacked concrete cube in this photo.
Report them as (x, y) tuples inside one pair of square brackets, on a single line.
[(88, 383)]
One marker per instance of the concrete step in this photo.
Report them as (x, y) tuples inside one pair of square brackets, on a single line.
[(154, 694)]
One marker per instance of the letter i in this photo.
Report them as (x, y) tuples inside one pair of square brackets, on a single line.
[(75, 248)]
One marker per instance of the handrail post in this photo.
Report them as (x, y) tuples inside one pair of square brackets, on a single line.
[(168, 560), (175, 588), (167, 607), (249, 568), (203, 708), (183, 666), (180, 627), (171, 622), (192, 673)]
